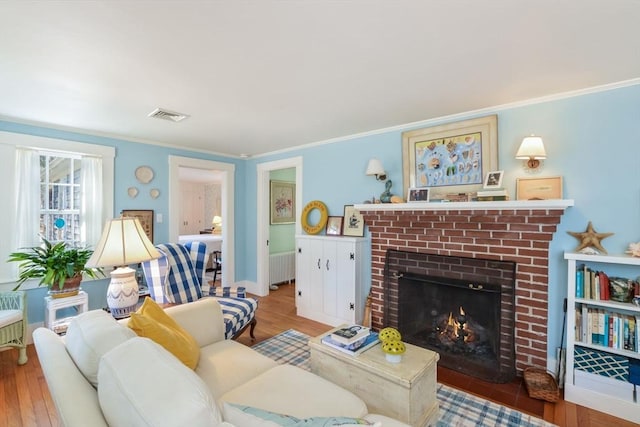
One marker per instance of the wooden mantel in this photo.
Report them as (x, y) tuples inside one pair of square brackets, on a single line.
[(467, 206)]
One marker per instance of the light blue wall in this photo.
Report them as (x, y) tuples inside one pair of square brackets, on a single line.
[(130, 155), (592, 140)]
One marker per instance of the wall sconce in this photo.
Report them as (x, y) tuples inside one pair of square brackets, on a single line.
[(375, 168), (532, 150)]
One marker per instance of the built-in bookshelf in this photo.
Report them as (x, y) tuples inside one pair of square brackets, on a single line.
[(603, 351)]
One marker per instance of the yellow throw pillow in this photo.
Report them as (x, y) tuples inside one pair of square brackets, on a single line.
[(152, 322)]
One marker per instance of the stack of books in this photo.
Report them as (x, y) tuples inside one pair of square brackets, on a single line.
[(492, 195), (352, 340)]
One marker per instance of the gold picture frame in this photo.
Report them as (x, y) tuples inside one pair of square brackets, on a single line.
[(145, 216), (450, 158), (282, 202), (547, 188)]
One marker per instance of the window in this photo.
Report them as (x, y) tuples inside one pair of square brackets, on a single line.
[(60, 189), (60, 198)]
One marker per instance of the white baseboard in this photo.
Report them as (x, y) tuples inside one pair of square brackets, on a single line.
[(251, 287)]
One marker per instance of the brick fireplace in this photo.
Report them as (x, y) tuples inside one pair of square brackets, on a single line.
[(517, 231)]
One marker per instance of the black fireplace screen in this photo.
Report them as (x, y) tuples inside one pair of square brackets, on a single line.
[(462, 308)]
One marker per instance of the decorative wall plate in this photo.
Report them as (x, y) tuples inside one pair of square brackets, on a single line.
[(144, 174), (132, 192), (154, 193)]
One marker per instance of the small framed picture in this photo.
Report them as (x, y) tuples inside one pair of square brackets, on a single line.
[(493, 180), (145, 216), (418, 194), (334, 226), (539, 188), (353, 224)]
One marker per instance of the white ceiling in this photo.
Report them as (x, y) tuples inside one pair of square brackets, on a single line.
[(260, 76)]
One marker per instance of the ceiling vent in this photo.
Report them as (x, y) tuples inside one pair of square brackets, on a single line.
[(160, 113)]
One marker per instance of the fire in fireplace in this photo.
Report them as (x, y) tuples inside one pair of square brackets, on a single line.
[(462, 308)]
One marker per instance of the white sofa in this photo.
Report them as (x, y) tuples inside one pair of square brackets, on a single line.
[(137, 382)]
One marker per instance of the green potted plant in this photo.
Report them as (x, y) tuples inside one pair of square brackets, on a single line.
[(58, 266)]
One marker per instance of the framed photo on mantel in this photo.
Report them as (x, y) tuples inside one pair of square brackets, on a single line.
[(539, 188), (353, 222)]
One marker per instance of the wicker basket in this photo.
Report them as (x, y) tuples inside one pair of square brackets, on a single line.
[(541, 384)]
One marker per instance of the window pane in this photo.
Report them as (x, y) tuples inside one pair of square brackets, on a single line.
[(60, 198)]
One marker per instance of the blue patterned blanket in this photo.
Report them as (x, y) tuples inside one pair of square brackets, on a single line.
[(457, 408)]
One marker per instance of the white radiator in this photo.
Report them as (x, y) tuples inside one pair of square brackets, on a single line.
[(282, 267)]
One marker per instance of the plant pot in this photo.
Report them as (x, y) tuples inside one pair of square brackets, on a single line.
[(71, 287)]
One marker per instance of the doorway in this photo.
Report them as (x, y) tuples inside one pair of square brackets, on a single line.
[(263, 220), (225, 172)]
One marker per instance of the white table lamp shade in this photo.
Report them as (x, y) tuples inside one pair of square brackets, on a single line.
[(123, 242)]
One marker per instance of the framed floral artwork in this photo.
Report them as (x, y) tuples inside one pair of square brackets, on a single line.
[(282, 202)]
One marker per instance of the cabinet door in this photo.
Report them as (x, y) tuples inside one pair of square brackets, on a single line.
[(316, 280), (303, 275), (345, 281), (330, 272), (309, 295)]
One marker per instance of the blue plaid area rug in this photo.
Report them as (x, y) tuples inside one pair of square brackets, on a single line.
[(457, 408)]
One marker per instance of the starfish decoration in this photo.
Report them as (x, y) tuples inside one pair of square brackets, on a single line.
[(590, 238)]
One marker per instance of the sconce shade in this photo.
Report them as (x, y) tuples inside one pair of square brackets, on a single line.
[(123, 242), (531, 148), (375, 168)]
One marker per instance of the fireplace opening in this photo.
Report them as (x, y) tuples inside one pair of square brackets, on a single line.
[(462, 308)]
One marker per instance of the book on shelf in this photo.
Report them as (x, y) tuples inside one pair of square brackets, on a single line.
[(492, 193), (591, 284), (355, 348), (349, 334), (605, 328)]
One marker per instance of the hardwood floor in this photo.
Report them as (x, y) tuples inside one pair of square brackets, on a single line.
[(25, 399)]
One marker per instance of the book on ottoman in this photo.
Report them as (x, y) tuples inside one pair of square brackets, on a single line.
[(354, 348), (349, 334)]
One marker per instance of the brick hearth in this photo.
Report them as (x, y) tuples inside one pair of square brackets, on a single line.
[(521, 232)]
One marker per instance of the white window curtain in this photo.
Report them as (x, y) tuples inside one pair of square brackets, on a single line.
[(27, 198), (91, 220)]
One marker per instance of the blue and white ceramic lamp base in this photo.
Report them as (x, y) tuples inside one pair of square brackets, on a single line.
[(122, 293)]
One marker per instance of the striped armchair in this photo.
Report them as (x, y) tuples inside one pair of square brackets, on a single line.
[(13, 322), (178, 277)]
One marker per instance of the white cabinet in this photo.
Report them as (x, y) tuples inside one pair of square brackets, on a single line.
[(192, 208), (590, 343), (332, 278)]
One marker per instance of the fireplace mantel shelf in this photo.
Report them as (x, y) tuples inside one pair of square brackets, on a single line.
[(468, 206)]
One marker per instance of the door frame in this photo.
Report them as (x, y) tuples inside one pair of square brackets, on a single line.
[(263, 171), (227, 206)]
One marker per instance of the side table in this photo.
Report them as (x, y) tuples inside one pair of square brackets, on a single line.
[(52, 305), (405, 391)]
